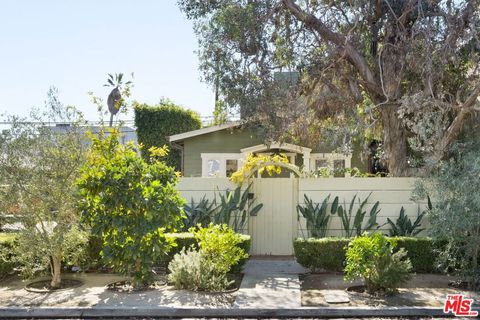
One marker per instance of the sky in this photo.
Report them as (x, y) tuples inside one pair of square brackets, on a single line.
[(74, 44)]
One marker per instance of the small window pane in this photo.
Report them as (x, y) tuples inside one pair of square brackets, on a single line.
[(338, 168), (213, 168), (232, 166), (321, 163)]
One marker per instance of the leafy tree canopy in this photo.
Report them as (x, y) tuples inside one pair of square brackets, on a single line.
[(403, 71), (39, 165)]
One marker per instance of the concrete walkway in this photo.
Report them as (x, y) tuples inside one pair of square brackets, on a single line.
[(270, 284)]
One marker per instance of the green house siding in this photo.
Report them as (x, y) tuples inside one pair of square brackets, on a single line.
[(232, 141), (225, 141)]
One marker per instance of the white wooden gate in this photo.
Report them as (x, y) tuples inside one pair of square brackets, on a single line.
[(275, 226)]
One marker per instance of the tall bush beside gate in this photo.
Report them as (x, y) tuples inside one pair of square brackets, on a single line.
[(131, 204)]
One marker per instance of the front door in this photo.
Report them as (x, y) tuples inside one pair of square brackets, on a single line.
[(275, 226)]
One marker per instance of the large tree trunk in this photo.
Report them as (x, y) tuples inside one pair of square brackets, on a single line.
[(56, 271), (394, 141)]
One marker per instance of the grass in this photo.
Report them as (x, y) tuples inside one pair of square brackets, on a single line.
[(7, 236)]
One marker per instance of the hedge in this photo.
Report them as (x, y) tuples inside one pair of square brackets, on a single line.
[(183, 240), (321, 253), (7, 252), (329, 253), (155, 123)]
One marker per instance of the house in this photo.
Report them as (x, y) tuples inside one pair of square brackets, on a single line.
[(218, 151), (127, 134)]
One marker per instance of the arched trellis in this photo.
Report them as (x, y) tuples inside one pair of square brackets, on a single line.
[(291, 167), (282, 146)]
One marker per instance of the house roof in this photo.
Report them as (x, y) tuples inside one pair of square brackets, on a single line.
[(277, 145), (202, 131), (59, 128)]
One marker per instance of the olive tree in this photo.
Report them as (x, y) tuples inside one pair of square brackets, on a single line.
[(455, 216), (131, 203), (39, 165)]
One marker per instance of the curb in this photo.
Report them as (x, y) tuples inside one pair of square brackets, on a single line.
[(159, 312)]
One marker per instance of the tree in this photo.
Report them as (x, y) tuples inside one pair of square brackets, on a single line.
[(40, 165), (115, 100), (405, 70), (220, 113), (130, 203), (155, 123), (455, 216)]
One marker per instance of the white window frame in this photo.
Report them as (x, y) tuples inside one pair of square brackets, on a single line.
[(330, 158), (222, 158)]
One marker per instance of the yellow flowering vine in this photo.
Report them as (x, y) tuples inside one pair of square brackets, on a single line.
[(261, 163)]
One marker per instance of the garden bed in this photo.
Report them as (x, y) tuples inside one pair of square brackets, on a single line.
[(94, 293), (424, 290)]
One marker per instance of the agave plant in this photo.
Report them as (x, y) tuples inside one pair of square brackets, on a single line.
[(404, 227), (316, 215), (200, 213), (234, 208), (357, 227)]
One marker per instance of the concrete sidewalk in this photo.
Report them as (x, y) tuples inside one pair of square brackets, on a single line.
[(270, 284)]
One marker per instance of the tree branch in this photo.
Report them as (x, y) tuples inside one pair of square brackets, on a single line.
[(352, 55), (455, 128)]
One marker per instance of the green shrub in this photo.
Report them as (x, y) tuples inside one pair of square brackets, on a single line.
[(371, 258), (155, 123), (131, 204), (219, 245), (190, 270), (321, 254), (7, 253), (206, 269), (329, 253), (420, 251), (455, 216), (185, 240)]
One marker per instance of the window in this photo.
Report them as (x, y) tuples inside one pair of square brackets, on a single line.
[(321, 163), (335, 162), (339, 168), (231, 167), (220, 165), (213, 168)]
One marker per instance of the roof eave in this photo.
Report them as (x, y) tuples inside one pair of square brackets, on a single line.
[(202, 131)]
